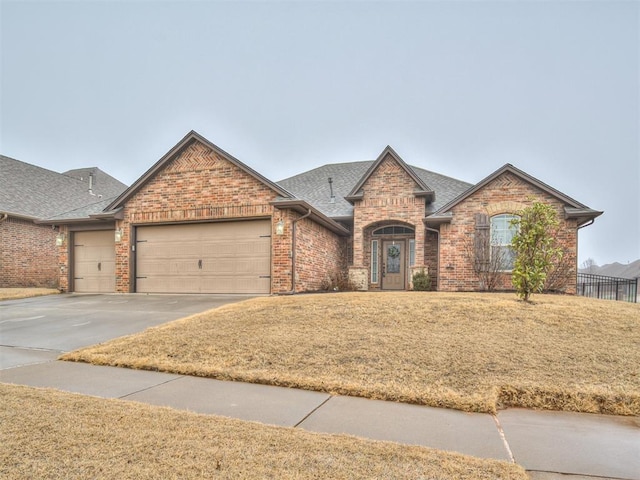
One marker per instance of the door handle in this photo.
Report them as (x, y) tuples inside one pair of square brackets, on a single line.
[(99, 266), (200, 264), (384, 269)]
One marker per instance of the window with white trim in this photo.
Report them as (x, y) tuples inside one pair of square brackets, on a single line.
[(374, 261), (412, 257), (502, 232)]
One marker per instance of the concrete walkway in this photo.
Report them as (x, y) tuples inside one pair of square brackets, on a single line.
[(549, 445)]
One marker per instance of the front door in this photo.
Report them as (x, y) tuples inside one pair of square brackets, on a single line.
[(393, 262)]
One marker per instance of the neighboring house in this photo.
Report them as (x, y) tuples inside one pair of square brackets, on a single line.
[(201, 221), (29, 196)]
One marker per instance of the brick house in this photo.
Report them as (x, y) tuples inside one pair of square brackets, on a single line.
[(28, 196), (201, 221)]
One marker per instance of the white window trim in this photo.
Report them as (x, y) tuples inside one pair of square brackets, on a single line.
[(493, 243), (374, 262)]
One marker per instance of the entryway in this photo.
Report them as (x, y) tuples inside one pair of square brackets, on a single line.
[(393, 265)]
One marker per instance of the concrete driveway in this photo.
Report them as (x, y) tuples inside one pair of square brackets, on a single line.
[(37, 330)]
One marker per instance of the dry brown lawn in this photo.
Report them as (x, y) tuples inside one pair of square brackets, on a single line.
[(474, 352), (16, 293), (47, 434)]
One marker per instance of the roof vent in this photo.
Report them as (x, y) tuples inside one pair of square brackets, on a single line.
[(333, 197)]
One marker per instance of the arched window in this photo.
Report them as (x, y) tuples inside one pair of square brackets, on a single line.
[(394, 230), (502, 231)]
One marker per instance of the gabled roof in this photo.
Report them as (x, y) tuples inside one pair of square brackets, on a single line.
[(356, 193), (190, 137), (573, 208), (32, 192), (313, 186)]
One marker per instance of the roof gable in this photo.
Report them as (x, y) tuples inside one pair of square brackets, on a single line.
[(174, 153), (423, 189), (573, 208)]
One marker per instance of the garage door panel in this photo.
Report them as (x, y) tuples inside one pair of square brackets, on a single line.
[(94, 264), (167, 284), (226, 257), (235, 284)]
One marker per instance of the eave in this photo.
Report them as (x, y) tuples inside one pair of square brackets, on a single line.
[(582, 215), (19, 216), (117, 214), (302, 207), (437, 220)]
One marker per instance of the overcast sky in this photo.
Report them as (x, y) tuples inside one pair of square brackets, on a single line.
[(460, 88)]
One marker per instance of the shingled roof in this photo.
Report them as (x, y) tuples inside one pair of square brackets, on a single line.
[(313, 186), (33, 192)]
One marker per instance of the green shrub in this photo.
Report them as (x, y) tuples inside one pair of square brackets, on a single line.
[(421, 281)]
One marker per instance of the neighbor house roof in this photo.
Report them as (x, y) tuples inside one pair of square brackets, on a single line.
[(33, 192)]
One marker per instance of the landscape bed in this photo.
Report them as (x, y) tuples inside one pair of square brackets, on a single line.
[(467, 351)]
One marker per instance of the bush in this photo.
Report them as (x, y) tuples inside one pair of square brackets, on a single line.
[(421, 281), (337, 282), (536, 248)]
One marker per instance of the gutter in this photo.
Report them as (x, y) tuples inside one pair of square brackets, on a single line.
[(293, 252), (587, 224)]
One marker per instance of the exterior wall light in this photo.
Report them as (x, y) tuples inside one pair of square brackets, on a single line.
[(60, 239), (118, 235), (280, 227)]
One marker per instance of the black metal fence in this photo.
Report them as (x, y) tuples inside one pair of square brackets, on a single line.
[(610, 288)]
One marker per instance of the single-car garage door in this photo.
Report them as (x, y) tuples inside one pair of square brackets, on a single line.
[(94, 262), (226, 257)]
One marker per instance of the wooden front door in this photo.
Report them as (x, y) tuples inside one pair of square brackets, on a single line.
[(393, 265)]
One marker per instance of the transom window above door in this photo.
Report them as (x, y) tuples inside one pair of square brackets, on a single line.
[(394, 230)]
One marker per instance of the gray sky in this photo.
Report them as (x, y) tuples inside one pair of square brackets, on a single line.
[(460, 88)]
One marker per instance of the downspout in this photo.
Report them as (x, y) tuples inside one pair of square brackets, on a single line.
[(4, 217), (293, 252), (437, 232), (577, 268)]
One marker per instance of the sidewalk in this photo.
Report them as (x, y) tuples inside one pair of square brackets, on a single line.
[(546, 444)]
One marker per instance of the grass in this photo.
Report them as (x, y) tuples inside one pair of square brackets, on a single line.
[(472, 352), (48, 434), (17, 293)]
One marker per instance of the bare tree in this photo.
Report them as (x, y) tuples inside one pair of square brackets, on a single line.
[(560, 273), (589, 265), (488, 263)]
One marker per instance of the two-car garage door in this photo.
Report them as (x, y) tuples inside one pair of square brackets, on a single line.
[(226, 257)]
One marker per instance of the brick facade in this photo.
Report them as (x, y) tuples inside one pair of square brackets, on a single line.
[(388, 199), (29, 254), (197, 182), (320, 254), (506, 194), (200, 185)]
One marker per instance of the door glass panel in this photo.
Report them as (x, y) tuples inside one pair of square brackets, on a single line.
[(393, 259)]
